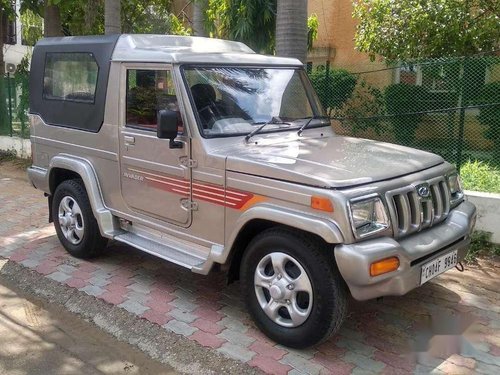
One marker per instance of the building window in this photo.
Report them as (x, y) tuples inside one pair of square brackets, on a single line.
[(70, 77), (9, 32), (148, 91)]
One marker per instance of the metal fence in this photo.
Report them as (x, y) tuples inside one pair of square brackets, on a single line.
[(13, 108), (447, 106)]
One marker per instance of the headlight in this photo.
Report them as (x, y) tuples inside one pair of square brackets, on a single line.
[(455, 186), (368, 216)]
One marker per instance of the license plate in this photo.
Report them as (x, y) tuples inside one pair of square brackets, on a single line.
[(438, 266)]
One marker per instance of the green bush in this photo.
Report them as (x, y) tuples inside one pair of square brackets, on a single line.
[(490, 116), (480, 176), (334, 86), (363, 109), (401, 100)]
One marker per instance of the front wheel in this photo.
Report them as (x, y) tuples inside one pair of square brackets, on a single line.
[(293, 289)]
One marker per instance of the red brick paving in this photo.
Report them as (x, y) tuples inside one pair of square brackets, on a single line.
[(379, 334)]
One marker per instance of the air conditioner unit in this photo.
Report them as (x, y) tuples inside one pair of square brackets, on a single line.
[(10, 68)]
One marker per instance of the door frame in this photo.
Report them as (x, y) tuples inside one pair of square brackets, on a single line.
[(184, 138)]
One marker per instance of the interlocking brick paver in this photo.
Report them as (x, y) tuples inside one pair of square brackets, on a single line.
[(75, 283), (180, 328), (208, 314), (207, 339), (184, 305), (267, 350), (58, 276), (236, 337), (207, 326), (182, 315), (113, 298), (302, 364), (269, 365), (133, 307), (363, 362), (236, 352), (377, 337), (92, 290), (156, 317)]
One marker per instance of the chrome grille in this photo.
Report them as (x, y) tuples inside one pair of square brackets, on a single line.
[(411, 212)]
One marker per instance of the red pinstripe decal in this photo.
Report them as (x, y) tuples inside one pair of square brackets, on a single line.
[(209, 193)]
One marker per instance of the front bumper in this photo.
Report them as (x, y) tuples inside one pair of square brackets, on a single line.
[(354, 260)]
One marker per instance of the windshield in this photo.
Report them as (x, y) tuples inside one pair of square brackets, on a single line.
[(236, 101)]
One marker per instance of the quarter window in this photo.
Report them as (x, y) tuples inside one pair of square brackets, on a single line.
[(148, 91), (70, 77)]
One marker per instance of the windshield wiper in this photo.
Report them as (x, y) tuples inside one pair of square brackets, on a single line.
[(315, 117), (273, 121)]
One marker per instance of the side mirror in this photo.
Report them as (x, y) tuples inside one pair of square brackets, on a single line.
[(167, 127)]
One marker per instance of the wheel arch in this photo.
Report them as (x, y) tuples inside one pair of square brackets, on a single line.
[(324, 230), (63, 168)]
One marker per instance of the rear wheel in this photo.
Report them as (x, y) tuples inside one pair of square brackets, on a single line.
[(292, 287), (75, 224)]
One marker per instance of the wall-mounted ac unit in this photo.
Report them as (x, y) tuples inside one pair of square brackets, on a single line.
[(10, 68)]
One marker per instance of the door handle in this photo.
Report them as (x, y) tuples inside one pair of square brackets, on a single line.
[(129, 141)]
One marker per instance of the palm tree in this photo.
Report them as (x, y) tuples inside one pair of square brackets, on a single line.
[(52, 19), (200, 7), (291, 29), (112, 17)]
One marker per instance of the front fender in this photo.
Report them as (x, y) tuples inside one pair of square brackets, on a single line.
[(324, 228), (107, 223)]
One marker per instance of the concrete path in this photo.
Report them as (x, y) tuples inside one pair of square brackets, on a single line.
[(449, 325), (37, 338)]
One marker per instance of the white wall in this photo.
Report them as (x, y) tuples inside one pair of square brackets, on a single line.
[(488, 208), (22, 147)]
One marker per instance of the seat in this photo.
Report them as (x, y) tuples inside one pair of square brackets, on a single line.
[(205, 100)]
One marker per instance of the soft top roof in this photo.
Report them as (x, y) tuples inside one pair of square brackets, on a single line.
[(66, 113), (145, 48)]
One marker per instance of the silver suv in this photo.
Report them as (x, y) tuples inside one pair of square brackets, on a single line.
[(207, 155)]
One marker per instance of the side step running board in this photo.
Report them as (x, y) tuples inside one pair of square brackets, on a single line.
[(173, 253)]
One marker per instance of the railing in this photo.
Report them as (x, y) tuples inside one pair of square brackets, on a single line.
[(13, 114)]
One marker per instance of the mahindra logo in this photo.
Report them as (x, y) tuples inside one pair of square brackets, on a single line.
[(423, 191)]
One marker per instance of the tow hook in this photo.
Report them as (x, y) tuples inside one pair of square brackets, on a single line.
[(460, 267)]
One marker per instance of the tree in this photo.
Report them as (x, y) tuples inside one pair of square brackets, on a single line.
[(291, 29), (200, 7), (112, 17), (412, 29), (251, 22), (52, 18)]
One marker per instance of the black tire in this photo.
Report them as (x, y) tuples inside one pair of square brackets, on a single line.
[(92, 242), (329, 306)]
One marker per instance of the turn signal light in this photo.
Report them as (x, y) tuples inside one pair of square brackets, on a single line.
[(321, 203), (383, 266)]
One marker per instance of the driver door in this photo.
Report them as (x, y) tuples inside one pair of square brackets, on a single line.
[(154, 181)]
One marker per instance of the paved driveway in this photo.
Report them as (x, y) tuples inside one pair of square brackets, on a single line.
[(451, 324)]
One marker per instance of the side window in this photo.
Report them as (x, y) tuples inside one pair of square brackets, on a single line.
[(70, 76), (149, 91)]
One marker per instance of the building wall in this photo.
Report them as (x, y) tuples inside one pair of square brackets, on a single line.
[(14, 53), (336, 41)]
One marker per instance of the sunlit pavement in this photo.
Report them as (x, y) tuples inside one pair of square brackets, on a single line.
[(450, 325)]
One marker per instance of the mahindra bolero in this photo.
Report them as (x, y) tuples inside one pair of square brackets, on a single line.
[(205, 154)]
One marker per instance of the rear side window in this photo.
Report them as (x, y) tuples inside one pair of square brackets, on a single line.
[(70, 76)]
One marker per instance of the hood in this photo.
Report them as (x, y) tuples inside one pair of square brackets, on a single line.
[(325, 160)]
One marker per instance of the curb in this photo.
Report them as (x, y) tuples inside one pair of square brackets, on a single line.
[(182, 354)]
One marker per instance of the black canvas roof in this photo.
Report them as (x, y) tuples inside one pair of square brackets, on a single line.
[(73, 114)]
